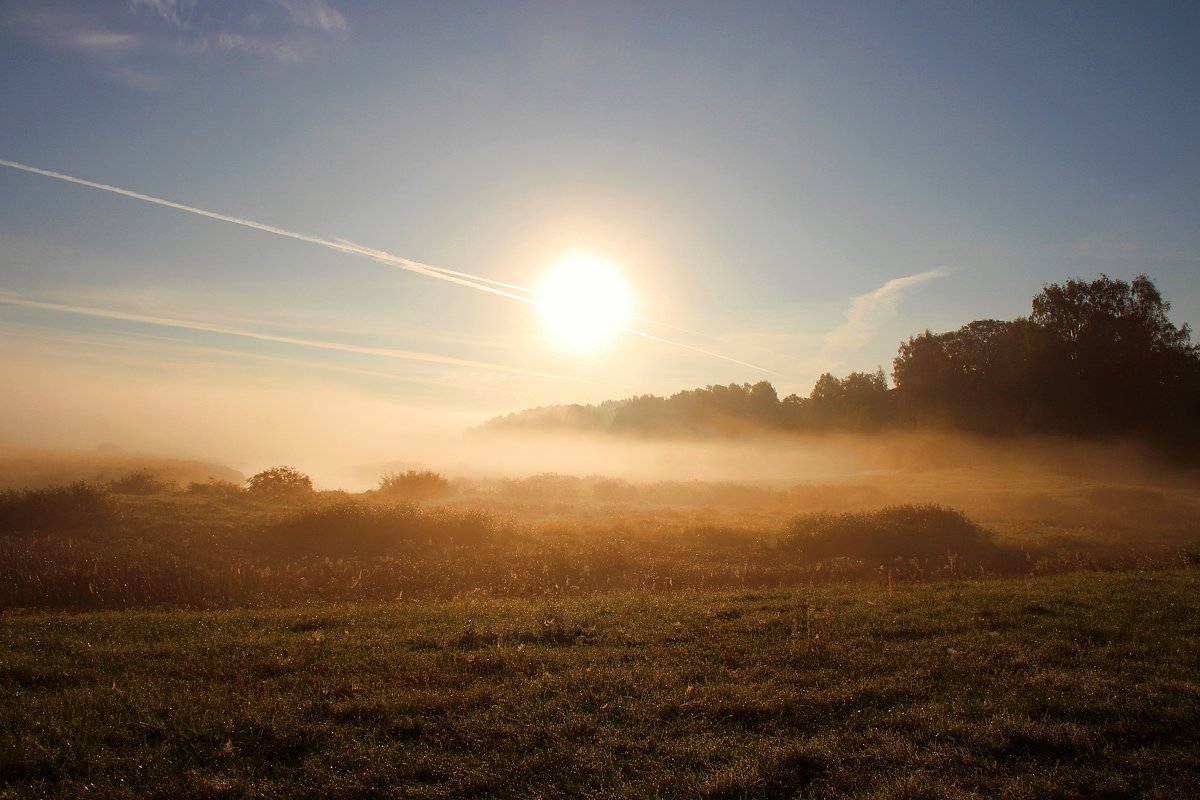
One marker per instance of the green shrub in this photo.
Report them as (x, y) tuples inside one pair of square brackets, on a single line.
[(79, 506), (413, 485), (279, 482), (547, 486), (215, 488), (346, 527), (931, 534), (142, 482)]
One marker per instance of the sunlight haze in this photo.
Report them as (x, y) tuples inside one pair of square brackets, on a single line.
[(367, 197)]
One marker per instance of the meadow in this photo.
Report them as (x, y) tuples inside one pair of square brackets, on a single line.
[(1078, 685), (145, 541), (1001, 630)]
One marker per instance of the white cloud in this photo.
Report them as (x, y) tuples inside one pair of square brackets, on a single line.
[(96, 41), (266, 46), (869, 311), (142, 43), (76, 33), (316, 14), (175, 13), (139, 79), (261, 336)]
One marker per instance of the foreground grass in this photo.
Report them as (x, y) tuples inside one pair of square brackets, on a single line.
[(1082, 685)]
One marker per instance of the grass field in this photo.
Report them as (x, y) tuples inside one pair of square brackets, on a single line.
[(1081, 685), (561, 636), (144, 542)]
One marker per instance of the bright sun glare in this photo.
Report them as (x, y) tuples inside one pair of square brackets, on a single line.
[(584, 302)]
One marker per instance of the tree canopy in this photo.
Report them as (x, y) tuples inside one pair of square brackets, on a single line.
[(1093, 358), (280, 482)]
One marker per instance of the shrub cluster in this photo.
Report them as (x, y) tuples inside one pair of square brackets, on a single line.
[(927, 535), (142, 482), (414, 485), (345, 527), (278, 482), (215, 488), (78, 507), (201, 551)]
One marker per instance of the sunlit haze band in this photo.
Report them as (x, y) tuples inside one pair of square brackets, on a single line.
[(499, 288)]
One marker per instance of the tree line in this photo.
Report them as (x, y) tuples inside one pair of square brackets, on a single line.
[(1093, 358)]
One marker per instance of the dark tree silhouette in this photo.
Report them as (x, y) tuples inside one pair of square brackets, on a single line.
[(1110, 313), (860, 401), (280, 482), (989, 376), (1127, 367), (1093, 358)]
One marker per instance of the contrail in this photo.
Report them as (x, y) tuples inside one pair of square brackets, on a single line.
[(239, 354), (508, 290), (408, 355), (653, 338), (341, 246)]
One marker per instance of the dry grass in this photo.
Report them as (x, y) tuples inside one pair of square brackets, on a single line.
[(1066, 687), (235, 549)]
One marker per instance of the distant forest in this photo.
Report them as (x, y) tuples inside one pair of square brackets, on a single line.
[(1093, 359)]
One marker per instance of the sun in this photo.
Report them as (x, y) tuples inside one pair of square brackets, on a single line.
[(584, 302)]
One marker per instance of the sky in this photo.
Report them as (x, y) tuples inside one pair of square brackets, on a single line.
[(786, 189)]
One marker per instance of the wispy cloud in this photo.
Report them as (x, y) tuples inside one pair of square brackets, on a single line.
[(96, 41), (272, 48), (114, 53), (204, 327), (869, 311), (277, 30), (63, 29), (317, 14), (132, 348), (475, 282), (140, 79), (175, 13), (143, 43)]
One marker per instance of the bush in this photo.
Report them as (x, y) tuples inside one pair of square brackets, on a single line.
[(548, 486), (930, 533), (142, 482), (80, 506), (345, 527), (413, 486), (280, 482), (215, 488)]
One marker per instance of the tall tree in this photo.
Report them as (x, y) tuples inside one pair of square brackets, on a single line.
[(1128, 367), (990, 375)]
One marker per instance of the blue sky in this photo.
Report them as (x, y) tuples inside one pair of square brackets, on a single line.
[(796, 186)]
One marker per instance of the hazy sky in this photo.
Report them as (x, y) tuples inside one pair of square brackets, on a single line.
[(796, 186)]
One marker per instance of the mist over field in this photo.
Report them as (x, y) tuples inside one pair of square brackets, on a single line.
[(245, 422), (695, 400)]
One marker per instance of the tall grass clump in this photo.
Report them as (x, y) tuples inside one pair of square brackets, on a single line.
[(279, 483), (920, 537), (142, 482), (77, 507), (547, 486), (216, 488), (349, 528), (413, 486)]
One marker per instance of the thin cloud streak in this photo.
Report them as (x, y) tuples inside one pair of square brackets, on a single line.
[(316, 14), (175, 14), (869, 311), (408, 355), (341, 245), (345, 246), (286, 31), (34, 334), (653, 338)]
